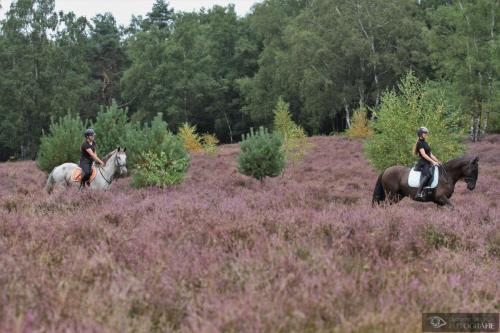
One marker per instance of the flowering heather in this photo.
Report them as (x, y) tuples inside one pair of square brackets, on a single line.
[(304, 252)]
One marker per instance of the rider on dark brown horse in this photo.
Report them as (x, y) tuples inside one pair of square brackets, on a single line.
[(426, 161), (88, 155), (393, 185)]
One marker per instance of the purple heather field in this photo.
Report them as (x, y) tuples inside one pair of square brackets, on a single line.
[(304, 252)]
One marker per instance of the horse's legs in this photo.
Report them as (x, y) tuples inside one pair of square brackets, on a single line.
[(444, 201), (394, 192), (393, 188), (394, 198)]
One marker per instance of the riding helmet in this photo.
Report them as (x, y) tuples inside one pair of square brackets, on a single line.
[(422, 130), (89, 132)]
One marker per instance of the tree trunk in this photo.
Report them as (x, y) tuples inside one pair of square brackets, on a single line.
[(480, 108), (484, 126), (229, 127), (486, 115), (371, 40), (106, 84), (185, 105), (487, 110), (476, 122), (347, 118), (185, 88), (476, 113)]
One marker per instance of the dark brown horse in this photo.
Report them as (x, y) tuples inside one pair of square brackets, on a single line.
[(392, 184)]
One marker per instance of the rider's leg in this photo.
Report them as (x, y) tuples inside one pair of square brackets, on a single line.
[(86, 172), (424, 177)]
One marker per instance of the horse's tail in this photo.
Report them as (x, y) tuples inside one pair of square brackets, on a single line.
[(378, 192), (50, 183)]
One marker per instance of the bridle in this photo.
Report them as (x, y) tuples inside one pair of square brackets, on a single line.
[(117, 164), (468, 179)]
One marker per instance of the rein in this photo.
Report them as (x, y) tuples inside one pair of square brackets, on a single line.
[(109, 181), (444, 172)]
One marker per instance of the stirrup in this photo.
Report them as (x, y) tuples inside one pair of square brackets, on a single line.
[(420, 196)]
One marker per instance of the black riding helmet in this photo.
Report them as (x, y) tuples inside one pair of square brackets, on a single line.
[(89, 132)]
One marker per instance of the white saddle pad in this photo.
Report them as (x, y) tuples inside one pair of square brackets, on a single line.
[(414, 178)]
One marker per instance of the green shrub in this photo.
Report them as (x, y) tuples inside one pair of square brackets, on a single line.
[(191, 140), (136, 143), (436, 238), (140, 139), (294, 137), (113, 128), (210, 143), (110, 127), (400, 116), (62, 144), (160, 170), (494, 122), (360, 127), (261, 155), (163, 164)]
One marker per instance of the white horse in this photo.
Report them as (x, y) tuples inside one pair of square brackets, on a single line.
[(115, 165)]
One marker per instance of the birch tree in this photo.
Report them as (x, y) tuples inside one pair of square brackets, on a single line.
[(465, 47)]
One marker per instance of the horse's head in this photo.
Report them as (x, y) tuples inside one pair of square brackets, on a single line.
[(121, 161), (471, 171)]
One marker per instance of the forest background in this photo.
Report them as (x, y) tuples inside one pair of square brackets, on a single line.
[(225, 73)]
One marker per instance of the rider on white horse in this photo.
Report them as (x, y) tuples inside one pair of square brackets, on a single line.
[(88, 156)]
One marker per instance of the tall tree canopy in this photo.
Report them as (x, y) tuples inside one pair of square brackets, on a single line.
[(225, 73), (465, 43)]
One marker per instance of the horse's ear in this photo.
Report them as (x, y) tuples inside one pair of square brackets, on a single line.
[(125, 149), (475, 160), (118, 148)]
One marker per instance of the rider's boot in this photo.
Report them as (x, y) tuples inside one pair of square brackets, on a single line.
[(420, 195), (84, 184)]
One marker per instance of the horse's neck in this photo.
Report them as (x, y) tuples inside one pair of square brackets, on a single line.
[(108, 171), (454, 171)]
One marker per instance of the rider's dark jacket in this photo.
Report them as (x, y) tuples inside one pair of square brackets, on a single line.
[(423, 165), (86, 160)]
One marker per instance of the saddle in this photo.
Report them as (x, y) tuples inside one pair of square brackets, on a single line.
[(76, 175), (414, 178)]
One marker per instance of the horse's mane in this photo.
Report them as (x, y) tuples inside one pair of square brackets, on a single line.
[(108, 156), (457, 161)]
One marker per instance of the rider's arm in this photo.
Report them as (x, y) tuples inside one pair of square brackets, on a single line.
[(424, 155), (94, 156), (434, 158)]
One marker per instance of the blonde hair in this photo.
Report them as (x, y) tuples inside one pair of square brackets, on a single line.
[(414, 150)]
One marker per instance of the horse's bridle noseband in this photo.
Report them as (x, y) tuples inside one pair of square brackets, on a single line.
[(468, 179)]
